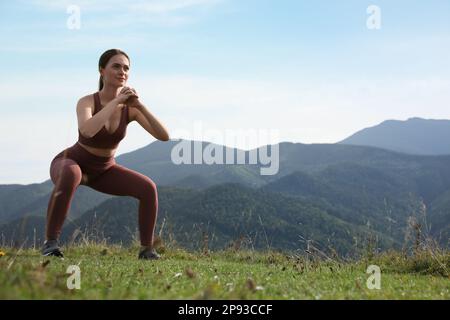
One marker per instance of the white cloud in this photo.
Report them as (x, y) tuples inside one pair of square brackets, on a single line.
[(117, 13), (95, 18), (149, 6), (164, 6)]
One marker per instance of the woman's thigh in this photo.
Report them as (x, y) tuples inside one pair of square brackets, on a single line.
[(121, 181), (65, 170)]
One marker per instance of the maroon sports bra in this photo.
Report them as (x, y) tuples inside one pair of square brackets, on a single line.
[(103, 139)]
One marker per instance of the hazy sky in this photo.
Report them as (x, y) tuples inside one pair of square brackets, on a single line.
[(312, 71)]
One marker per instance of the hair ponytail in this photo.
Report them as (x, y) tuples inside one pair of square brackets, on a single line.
[(100, 83)]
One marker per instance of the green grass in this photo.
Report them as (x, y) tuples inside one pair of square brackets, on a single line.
[(113, 272)]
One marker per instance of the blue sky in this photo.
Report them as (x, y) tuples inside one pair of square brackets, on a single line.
[(311, 70)]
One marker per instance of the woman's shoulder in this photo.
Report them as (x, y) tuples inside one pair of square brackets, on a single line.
[(88, 97), (86, 101)]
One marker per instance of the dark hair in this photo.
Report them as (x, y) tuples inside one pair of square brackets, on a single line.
[(103, 61)]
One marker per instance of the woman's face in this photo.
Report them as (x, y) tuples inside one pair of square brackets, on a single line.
[(116, 71)]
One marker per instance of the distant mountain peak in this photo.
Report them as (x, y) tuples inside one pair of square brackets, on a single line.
[(413, 136)]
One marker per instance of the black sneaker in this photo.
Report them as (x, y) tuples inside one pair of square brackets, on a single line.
[(149, 254), (51, 248)]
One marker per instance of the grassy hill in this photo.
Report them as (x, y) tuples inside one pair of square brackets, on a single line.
[(113, 272)]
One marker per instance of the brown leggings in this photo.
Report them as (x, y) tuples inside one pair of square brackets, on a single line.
[(75, 166)]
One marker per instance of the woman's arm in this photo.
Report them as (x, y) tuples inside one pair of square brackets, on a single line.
[(149, 122), (89, 125)]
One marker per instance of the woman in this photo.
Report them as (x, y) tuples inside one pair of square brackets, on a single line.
[(102, 121)]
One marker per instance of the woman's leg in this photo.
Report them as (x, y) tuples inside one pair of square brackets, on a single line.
[(66, 175), (122, 181)]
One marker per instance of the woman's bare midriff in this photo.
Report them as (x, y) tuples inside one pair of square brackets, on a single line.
[(99, 152)]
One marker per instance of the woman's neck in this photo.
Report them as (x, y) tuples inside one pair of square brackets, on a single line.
[(109, 93)]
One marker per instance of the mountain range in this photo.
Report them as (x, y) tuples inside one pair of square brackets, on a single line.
[(413, 136), (334, 195)]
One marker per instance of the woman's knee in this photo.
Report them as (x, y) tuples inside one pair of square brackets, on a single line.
[(149, 189)]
